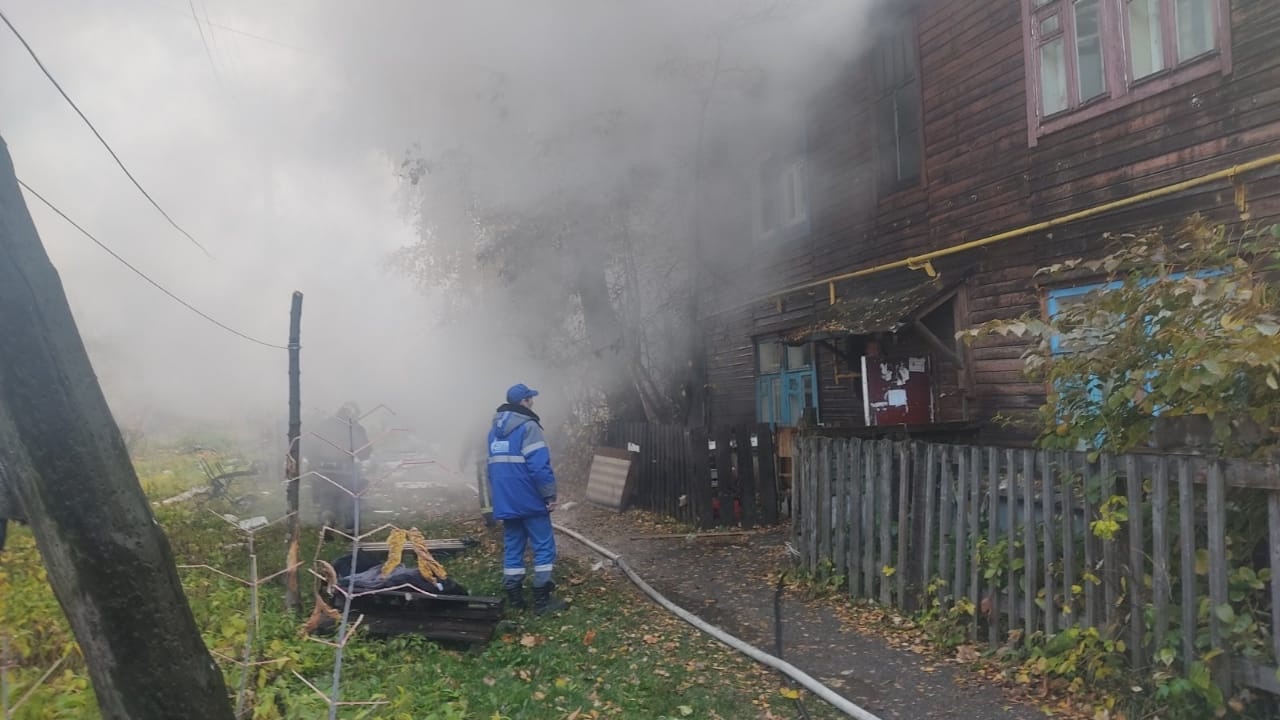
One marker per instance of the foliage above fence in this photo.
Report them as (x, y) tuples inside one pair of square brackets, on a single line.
[(1180, 324)]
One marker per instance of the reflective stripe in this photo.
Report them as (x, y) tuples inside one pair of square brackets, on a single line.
[(532, 446), (543, 568), (507, 459), (513, 571)]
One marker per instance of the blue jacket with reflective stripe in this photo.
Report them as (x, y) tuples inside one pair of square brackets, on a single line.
[(520, 477)]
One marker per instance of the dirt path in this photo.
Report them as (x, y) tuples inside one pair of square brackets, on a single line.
[(730, 584)]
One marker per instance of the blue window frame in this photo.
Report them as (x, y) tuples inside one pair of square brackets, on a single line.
[(1059, 298), (786, 382)]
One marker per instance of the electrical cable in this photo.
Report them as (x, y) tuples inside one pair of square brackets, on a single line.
[(144, 276), (98, 135)]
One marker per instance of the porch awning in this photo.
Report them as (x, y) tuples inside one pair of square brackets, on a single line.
[(868, 311)]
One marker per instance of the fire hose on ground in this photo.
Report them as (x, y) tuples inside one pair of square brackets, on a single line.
[(804, 679)]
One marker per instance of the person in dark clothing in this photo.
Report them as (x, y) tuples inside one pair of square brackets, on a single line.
[(339, 442), (524, 496)]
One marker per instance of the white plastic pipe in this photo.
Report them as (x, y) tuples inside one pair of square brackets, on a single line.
[(834, 699)]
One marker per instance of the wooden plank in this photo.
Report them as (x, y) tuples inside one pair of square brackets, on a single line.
[(768, 477), (856, 470), (930, 472), (1091, 580), (724, 474), (945, 513), (918, 542), (700, 477), (885, 519), (993, 525), (1187, 567), (1137, 563), (975, 532), (1160, 585), (904, 529), (1029, 542), (1251, 674), (1110, 561), (746, 476), (822, 503), (1273, 524), (1011, 525), (1068, 485), (817, 452), (868, 519), (1046, 523), (840, 504), (1216, 509)]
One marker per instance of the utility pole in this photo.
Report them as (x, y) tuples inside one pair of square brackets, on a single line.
[(108, 561), (291, 597)]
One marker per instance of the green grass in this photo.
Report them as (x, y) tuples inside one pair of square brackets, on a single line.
[(613, 654)]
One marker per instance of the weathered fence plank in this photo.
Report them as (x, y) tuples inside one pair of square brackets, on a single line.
[(768, 476), (1011, 486), (1186, 571), (904, 500), (1160, 586), (1273, 524), (1110, 561), (1216, 507), (746, 476), (1091, 581), (1136, 574), (975, 533), (1069, 614), (962, 523), (857, 469), (840, 506), (1029, 541), (867, 520), (701, 470), (993, 515), (724, 476), (1047, 508), (930, 472), (884, 521), (945, 514), (823, 505)]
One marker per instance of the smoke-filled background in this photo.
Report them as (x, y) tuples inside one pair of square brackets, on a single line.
[(469, 194)]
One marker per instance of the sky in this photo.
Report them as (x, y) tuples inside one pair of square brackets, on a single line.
[(274, 132)]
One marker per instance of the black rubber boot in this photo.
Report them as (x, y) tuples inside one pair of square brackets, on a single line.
[(543, 602), (515, 597)]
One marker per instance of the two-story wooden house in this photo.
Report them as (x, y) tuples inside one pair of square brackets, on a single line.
[(972, 143)]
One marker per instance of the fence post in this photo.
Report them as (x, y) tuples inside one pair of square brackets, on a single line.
[(700, 487), (768, 477), (904, 499), (857, 472), (746, 477)]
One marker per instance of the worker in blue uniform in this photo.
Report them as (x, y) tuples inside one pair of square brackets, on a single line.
[(524, 496)]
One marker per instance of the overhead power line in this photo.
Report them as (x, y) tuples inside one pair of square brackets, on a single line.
[(98, 135), (144, 276)]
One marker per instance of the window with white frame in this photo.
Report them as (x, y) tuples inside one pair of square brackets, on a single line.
[(783, 201), (896, 77), (1085, 57)]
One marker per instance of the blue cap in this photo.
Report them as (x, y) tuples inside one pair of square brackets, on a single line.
[(520, 392)]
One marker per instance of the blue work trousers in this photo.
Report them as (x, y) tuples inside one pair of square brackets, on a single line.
[(517, 533)]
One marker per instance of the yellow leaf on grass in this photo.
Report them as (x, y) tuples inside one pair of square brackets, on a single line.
[(790, 693)]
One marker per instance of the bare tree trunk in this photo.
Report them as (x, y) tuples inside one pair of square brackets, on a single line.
[(108, 561), (607, 338)]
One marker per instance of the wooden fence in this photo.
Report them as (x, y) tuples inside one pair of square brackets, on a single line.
[(725, 477), (1038, 542)]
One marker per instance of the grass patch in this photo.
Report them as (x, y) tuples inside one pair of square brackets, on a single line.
[(613, 654)]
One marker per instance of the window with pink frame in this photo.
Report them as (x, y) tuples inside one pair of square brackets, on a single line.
[(1086, 57)]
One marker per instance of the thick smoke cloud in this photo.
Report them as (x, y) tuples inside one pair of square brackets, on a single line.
[(275, 133)]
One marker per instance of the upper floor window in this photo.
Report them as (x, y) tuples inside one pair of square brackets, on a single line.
[(783, 199), (896, 77), (1086, 57)]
